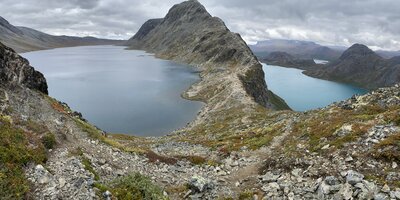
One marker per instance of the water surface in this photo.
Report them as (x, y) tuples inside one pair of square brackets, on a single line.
[(302, 92), (120, 91)]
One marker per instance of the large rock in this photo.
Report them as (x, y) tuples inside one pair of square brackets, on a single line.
[(15, 70), (200, 184), (354, 177)]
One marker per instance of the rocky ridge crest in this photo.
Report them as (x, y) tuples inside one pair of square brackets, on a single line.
[(231, 74)]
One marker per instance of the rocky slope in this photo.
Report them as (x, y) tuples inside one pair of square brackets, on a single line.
[(23, 39), (361, 66), (286, 60), (231, 74), (16, 71)]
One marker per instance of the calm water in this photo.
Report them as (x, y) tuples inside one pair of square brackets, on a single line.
[(120, 91), (302, 92)]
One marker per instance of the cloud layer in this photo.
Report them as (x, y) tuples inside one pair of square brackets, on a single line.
[(375, 23)]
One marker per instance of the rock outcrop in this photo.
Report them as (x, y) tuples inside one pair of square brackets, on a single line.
[(361, 66), (231, 74), (23, 39), (286, 60), (16, 71)]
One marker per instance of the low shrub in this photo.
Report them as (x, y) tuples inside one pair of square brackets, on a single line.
[(136, 186), (49, 140)]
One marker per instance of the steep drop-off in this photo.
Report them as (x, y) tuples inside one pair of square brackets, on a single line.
[(23, 39), (15, 71), (361, 66), (231, 74)]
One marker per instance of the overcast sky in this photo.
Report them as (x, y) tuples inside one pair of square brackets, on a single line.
[(375, 23)]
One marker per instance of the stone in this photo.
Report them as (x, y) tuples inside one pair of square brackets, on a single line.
[(326, 147), (107, 195), (349, 159), (61, 182), (396, 194), (331, 180), (199, 184), (296, 172), (237, 184), (354, 177), (381, 196), (386, 188), (269, 177), (345, 192), (394, 165)]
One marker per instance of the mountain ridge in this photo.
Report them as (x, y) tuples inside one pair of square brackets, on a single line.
[(189, 34), (24, 39)]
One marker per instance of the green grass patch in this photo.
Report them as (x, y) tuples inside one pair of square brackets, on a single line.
[(136, 186), (88, 166), (49, 140), (16, 151)]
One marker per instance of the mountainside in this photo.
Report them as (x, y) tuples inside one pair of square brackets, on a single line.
[(346, 150), (231, 74), (300, 49), (286, 60), (23, 39), (361, 66)]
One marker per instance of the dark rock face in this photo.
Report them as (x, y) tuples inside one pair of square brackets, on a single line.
[(15, 70), (189, 34), (286, 60), (361, 66)]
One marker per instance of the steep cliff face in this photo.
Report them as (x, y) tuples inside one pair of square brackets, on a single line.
[(189, 34), (361, 66), (15, 70)]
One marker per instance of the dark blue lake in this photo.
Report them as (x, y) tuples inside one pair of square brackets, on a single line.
[(120, 91), (302, 92)]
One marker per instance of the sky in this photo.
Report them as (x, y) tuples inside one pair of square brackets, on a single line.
[(375, 23)]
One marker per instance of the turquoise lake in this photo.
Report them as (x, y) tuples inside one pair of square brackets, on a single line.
[(120, 91), (304, 93)]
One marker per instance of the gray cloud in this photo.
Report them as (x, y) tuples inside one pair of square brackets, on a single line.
[(373, 22)]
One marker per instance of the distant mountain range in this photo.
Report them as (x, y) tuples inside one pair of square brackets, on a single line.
[(306, 49), (361, 66), (287, 60), (23, 39), (299, 49)]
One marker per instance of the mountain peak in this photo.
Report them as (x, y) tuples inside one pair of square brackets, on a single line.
[(188, 10), (357, 50)]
